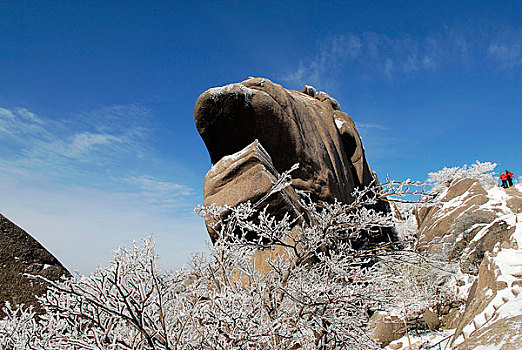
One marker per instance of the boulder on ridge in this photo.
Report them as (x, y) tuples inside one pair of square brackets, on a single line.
[(292, 127)]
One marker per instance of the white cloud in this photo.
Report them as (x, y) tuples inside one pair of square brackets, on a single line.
[(411, 64), (389, 67), (428, 62), (162, 194), (505, 47), (307, 74), (371, 126), (20, 126), (345, 45), (332, 52), (370, 55), (508, 54), (367, 52), (29, 115), (151, 185), (84, 185), (4, 112), (81, 225), (97, 137), (83, 143)]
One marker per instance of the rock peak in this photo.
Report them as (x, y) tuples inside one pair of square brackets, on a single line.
[(305, 127)]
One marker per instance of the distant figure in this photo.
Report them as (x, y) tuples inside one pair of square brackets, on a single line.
[(509, 175), (504, 178)]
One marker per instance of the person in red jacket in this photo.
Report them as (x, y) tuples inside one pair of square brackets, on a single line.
[(509, 176), (504, 178)]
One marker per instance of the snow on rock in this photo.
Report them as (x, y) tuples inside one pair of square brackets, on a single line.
[(495, 296), (339, 123), (422, 340), (232, 89), (482, 230)]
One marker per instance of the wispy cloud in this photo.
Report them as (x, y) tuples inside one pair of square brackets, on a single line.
[(387, 56), (371, 126), (97, 137), (19, 124), (163, 194), (508, 55), (81, 225), (87, 183), (82, 146), (505, 48), (107, 147), (374, 56)]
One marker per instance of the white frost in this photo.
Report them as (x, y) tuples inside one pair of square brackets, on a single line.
[(235, 89)]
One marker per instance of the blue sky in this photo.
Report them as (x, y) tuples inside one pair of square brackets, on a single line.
[(97, 139)]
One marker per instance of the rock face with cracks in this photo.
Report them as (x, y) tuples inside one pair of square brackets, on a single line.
[(256, 129)]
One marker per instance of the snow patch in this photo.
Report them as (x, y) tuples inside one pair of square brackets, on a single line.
[(234, 89), (423, 340), (507, 302), (228, 161), (339, 123)]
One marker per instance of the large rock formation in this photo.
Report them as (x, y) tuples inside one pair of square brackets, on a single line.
[(256, 129), (21, 254), (466, 226), (479, 229)]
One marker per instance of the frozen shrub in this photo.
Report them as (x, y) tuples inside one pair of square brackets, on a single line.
[(482, 172), (18, 329), (317, 293), (406, 222)]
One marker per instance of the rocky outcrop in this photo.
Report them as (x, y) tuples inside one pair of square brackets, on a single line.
[(21, 254), (481, 231), (248, 172), (462, 228), (385, 328), (493, 308), (256, 129), (501, 335)]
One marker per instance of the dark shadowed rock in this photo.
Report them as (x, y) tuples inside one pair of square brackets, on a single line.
[(21, 254), (293, 127)]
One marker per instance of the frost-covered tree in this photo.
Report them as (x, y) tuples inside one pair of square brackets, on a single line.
[(482, 172), (317, 292)]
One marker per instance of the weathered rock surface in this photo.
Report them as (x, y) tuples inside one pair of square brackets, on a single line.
[(515, 201), (481, 231), (249, 171), (385, 328), (21, 254), (304, 127), (504, 334), (462, 227)]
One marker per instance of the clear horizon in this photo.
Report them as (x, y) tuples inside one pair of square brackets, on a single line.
[(97, 138)]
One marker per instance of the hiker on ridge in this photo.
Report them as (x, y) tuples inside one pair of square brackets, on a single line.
[(509, 176), (504, 178)]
